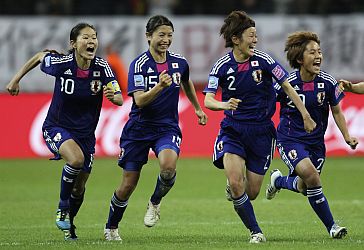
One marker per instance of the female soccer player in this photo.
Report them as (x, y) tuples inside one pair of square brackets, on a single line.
[(154, 81), (69, 128), (304, 153), (246, 141)]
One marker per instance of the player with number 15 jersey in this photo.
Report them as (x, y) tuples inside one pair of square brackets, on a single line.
[(154, 82)]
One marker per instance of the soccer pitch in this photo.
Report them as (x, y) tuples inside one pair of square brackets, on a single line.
[(194, 215)]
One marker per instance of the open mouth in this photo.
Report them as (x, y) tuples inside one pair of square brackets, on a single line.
[(90, 49), (251, 48), (317, 64), (164, 46)]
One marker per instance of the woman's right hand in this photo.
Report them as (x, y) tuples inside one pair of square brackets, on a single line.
[(232, 104), (309, 124), (165, 80), (13, 87)]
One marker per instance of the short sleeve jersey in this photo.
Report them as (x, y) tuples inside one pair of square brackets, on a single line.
[(78, 94), (144, 74), (251, 82), (317, 95)]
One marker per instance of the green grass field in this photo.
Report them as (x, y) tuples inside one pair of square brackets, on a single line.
[(194, 215)]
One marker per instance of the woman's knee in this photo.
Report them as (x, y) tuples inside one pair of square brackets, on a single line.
[(76, 162), (253, 193), (168, 173), (236, 186), (312, 180), (72, 154)]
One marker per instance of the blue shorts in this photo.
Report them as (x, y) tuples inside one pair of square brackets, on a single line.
[(136, 140), (293, 152), (254, 143), (55, 136)]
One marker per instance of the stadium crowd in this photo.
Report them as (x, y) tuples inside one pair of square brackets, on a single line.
[(178, 7)]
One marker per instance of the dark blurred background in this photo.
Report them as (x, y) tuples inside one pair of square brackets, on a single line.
[(178, 7)]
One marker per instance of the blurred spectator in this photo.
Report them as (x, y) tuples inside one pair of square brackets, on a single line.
[(324, 7), (53, 7), (18, 7), (161, 7)]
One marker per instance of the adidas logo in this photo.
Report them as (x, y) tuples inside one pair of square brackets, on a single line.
[(68, 72), (150, 70), (296, 87), (230, 71)]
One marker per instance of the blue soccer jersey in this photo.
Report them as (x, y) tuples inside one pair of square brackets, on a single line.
[(317, 96), (144, 74), (251, 82), (78, 94)]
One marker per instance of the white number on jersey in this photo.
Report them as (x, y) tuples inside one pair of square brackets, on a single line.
[(67, 86), (151, 81), (232, 79), (291, 104)]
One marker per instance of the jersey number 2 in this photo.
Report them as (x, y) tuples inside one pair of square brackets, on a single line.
[(232, 80)]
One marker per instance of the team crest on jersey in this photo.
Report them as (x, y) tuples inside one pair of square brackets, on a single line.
[(292, 154), (57, 137), (320, 97), (96, 73), (95, 86), (220, 146), (176, 78), (257, 76)]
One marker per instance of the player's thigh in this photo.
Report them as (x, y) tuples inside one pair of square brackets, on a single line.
[(72, 153), (308, 173), (167, 148), (234, 166)]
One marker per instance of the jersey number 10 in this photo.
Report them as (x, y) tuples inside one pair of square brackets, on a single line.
[(67, 86)]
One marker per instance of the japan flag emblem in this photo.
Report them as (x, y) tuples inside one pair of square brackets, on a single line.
[(95, 86)]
